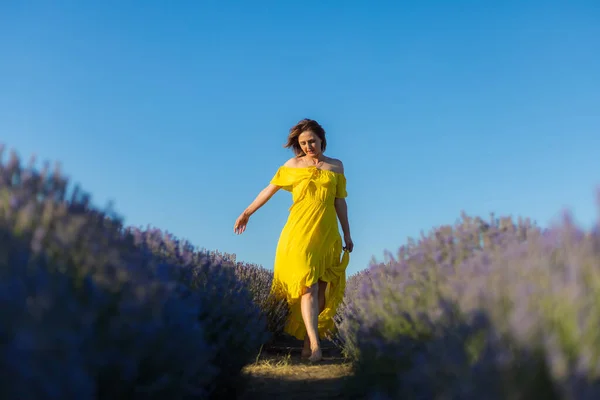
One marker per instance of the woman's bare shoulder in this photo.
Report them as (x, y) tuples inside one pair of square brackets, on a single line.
[(292, 162), (336, 164)]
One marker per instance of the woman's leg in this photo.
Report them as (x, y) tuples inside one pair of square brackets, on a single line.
[(306, 351), (322, 289), (309, 305)]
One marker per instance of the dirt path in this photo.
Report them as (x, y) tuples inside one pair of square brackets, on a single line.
[(280, 373)]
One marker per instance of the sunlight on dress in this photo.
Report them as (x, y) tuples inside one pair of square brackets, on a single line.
[(310, 245)]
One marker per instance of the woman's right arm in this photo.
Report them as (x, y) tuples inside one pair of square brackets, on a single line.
[(260, 200)]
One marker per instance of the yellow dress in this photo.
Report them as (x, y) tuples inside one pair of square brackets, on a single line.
[(310, 245)]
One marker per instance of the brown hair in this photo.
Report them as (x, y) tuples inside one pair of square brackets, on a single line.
[(302, 126)]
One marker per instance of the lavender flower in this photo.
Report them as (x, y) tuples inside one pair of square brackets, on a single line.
[(482, 309), (92, 310)]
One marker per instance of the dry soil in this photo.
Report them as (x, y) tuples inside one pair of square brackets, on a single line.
[(280, 373)]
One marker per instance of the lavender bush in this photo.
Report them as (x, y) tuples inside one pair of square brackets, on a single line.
[(89, 310), (233, 321), (497, 309), (258, 281), (346, 322)]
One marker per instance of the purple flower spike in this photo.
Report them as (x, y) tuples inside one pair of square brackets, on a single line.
[(126, 312), (482, 309)]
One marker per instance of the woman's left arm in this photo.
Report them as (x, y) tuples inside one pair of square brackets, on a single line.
[(341, 208)]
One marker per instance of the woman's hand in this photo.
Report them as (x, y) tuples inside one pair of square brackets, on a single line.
[(259, 201), (240, 223), (349, 244)]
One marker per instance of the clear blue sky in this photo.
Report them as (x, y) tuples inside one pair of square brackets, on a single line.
[(178, 111)]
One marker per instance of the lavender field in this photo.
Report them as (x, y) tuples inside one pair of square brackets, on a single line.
[(92, 309), (494, 309), (490, 308)]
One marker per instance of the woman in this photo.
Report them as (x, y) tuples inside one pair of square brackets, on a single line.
[(308, 270)]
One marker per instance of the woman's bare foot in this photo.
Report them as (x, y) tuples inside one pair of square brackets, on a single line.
[(316, 355)]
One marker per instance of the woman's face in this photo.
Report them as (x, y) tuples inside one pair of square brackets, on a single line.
[(310, 143)]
